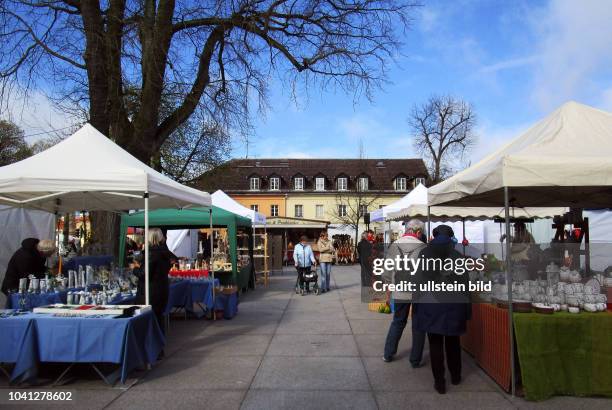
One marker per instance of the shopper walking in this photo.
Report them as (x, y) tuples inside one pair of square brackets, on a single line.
[(326, 255), (410, 246), (303, 257), (440, 314)]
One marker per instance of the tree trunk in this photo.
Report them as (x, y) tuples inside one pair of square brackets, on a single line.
[(66, 230), (105, 228)]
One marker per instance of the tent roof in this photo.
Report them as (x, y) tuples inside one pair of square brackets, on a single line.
[(417, 207), (222, 200), (417, 196), (563, 160), (188, 217), (87, 171)]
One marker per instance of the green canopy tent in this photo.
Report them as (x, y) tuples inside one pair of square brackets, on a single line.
[(197, 217)]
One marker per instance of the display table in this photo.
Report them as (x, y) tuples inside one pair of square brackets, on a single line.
[(32, 338), (228, 303), (185, 293), (32, 300), (565, 354), (488, 341)]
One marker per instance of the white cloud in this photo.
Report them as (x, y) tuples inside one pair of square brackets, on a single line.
[(492, 137), (573, 46), (508, 64), (36, 115)]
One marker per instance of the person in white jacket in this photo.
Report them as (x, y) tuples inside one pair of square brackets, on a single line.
[(409, 244)]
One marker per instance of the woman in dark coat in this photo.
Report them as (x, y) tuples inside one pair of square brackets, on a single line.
[(30, 259), (442, 315), (160, 262)]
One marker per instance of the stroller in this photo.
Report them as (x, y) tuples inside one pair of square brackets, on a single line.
[(308, 277)]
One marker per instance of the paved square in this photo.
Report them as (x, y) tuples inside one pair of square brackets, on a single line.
[(286, 351)]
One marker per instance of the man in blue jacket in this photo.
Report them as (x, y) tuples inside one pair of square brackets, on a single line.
[(303, 258)]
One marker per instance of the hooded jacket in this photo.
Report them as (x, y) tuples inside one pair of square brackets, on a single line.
[(440, 312), (410, 247), (25, 261)]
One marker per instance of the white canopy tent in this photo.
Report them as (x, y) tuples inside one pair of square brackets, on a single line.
[(563, 160), (417, 196), (222, 200), (87, 171)]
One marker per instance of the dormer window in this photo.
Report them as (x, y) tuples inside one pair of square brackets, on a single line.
[(254, 183), (298, 183), (320, 184), (363, 183), (342, 184), (419, 180), (400, 183), (274, 184)]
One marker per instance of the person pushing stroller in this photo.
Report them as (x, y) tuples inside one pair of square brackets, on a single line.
[(304, 259)]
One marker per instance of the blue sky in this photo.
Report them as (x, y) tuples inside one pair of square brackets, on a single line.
[(514, 61)]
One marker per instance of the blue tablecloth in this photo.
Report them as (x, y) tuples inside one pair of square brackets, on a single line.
[(32, 338), (123, 300), (17, 345), (33, 300), (73, 264), (227, 303), (185, 293)]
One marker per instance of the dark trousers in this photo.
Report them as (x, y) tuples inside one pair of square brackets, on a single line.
[(396, 329), (438, 344), (301, 272)]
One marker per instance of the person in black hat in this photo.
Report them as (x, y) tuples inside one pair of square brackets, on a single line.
[(442, 315)]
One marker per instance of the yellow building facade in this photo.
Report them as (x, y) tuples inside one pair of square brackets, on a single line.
[(268, 205), (325, 206)]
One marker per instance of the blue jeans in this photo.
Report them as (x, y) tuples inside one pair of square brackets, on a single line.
[(400, 319), (325, 275)]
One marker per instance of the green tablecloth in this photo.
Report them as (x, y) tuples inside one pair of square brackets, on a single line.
[(565, 354)]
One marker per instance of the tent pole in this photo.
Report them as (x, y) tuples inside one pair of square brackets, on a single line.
[(509, 283), (463, 240), (428, 222), (146, 246), (211, 265)]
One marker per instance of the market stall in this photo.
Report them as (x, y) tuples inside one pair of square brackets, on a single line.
[(563, 160), (110, 180)]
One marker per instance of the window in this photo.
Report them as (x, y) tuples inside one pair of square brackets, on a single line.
[(419, 180), (273, 210), (255, 208), (400, 183), (341, 210), (319, 211), (299, 211), (254, 183), (298, 184), (342, 184), (363, 209), (274, 184), (363, 183), (320, 184)]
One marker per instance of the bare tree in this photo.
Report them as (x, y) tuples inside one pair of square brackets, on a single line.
[(13, 146), (354, 202), (114, 61), (443, 131)]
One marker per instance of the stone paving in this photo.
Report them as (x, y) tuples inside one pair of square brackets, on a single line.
[(286, 351)]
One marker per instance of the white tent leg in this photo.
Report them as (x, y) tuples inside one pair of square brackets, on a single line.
[(211, 265), (509, 283), (146, 246), (428, 223)]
